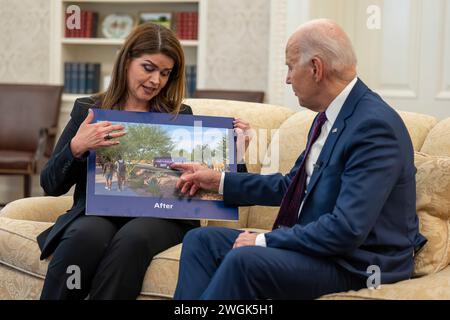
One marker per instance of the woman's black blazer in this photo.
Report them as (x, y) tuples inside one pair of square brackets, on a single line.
[(63, 171)]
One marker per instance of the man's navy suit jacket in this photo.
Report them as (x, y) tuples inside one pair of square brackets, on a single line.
[(360, 204)]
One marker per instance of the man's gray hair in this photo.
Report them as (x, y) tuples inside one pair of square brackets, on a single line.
[(326, 40)]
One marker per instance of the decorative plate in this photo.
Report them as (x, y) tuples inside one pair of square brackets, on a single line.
[(117, 26)]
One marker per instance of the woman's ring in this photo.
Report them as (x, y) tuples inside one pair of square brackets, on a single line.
[(108, 137)]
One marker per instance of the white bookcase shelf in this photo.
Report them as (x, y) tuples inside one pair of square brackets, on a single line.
[(132, 1), (103, 50), (71, 97), (114, 42)]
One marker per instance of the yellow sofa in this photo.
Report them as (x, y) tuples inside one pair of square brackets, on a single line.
[(22, 273)]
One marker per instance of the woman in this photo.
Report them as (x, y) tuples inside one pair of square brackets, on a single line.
[(112, 253)]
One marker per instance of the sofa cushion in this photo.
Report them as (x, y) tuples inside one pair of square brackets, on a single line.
[(162, 274), (287, 143), (18, 247), (43, 209), (241, 223), (418, 125), (437, 142), (17, 285), (433, 208), (259, 115), (431, 287)]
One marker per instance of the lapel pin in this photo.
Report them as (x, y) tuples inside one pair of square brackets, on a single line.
[(334, 130)]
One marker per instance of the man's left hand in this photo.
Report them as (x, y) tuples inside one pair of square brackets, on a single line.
[(246, 238)]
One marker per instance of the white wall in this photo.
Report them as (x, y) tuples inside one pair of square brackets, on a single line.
[(285, 17), (237, 42), (406, 60), (24, 41)]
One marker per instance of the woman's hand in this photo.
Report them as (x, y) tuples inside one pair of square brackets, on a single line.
[(91, 136), (244, 134)]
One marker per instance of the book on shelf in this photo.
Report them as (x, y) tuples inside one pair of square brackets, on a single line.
[(191, 80), (88, 25), (73, 80), (81, 77), (93, 78), (186, 25), (67, 75)]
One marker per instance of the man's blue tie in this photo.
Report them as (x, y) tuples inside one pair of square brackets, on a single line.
[(290, 205)]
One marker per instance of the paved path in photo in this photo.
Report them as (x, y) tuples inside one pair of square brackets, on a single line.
[(100, 183)]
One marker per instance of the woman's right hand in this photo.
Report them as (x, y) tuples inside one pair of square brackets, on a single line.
[(91, 136)]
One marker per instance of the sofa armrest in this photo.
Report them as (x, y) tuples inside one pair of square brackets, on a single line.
[(44, 209)]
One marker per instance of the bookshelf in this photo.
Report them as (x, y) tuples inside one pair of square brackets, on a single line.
[(103, 50), (114, 42)]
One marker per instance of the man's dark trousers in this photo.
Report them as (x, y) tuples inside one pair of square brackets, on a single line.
[(211, 269)]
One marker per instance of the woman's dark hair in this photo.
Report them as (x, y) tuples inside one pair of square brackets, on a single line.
[(148, 38)]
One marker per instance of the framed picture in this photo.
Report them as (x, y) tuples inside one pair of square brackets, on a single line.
[(134, 178), (117, 26), (164, 18)]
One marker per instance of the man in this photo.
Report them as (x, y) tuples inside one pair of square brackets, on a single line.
[(347, 204)]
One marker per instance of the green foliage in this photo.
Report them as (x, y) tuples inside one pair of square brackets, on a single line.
[(221, 150), (182, 153), (154, 187), (141, 143), (137, 183), (158, 175), (202, 154)]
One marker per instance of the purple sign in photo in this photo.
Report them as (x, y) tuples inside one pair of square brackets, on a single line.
[(134, 178)]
